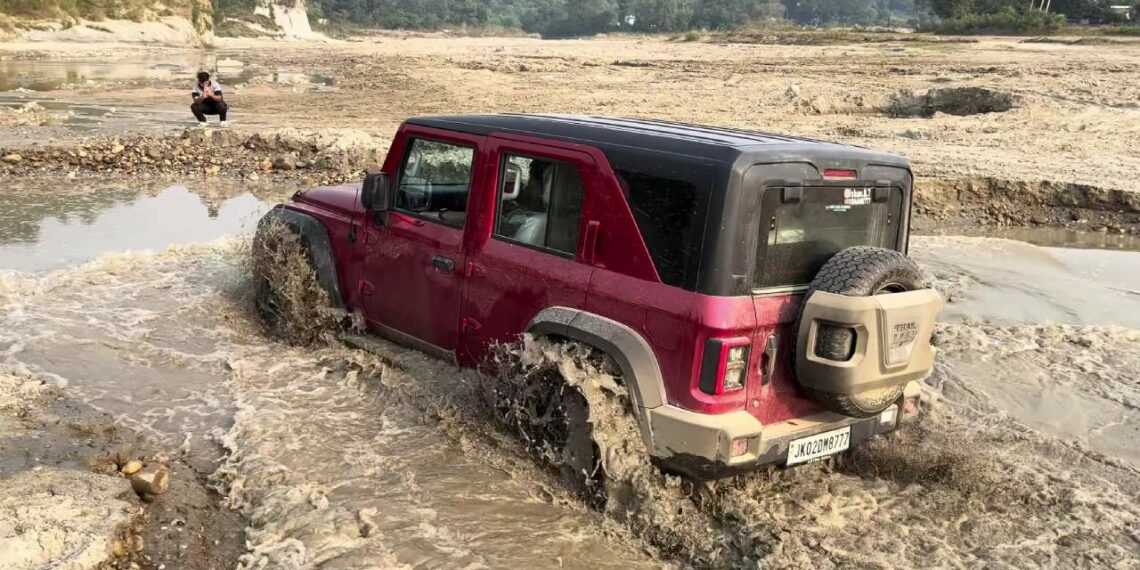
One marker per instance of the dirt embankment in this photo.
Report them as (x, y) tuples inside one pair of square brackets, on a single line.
[(997, 202), (330, 156), (75, 492), (318, 157)]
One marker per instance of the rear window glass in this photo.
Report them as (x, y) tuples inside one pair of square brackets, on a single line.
[(804, 232), (665, 210)]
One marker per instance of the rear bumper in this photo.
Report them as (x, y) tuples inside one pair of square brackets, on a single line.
[(700, 445)]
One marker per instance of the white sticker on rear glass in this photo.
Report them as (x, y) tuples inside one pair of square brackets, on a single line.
[(856, 196)]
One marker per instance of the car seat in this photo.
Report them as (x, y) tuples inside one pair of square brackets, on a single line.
[(533, 230)]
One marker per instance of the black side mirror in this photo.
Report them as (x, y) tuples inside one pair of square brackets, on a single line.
[(374, 193)]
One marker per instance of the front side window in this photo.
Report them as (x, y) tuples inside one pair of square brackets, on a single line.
[(540, 203), (435, 181), (806, 226)]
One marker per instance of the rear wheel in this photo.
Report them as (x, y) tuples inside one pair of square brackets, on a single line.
[(541, 399), (858, 272)]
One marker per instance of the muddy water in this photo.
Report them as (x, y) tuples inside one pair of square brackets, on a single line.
[(1006, 281), (343, 459), (1055, 335), (48, 83), (159, 68), (45, 75), (75, 229), (331, 469)]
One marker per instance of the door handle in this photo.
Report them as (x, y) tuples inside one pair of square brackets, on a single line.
[(768, 360), (590, 243), (443, 264)]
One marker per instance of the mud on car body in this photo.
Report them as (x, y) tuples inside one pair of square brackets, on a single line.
[(752, 289)]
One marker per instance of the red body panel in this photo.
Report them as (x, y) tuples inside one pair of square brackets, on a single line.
[(510, 283), (385, 270), (344, 199), (403, 288)]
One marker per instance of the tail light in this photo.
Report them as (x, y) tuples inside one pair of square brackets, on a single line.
[(838, 173), (724, 366)]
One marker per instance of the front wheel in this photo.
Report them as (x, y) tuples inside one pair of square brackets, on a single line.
[(288, 295)]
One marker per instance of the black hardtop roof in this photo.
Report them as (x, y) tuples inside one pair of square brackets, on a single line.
[(715, 143)]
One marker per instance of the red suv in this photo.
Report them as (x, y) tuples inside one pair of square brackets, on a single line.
[(752, 288)]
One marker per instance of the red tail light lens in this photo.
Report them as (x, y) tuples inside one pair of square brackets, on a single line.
[(724, 366), (838, 173)]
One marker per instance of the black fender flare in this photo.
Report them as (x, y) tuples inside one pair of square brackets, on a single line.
[(316, 237), (630, 351)]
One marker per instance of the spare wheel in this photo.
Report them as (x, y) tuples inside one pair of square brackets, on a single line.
[(856, 272)]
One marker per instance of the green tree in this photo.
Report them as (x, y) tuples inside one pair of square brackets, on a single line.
[(568, 18), (950, 9), (661, 15), (728, 14), (819, 12)]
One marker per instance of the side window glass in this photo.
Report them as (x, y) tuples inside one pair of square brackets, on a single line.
[(665, 211), (540, 203), (435, 181)]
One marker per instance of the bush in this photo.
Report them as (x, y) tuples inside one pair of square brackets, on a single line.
[(1124, 30), (23, 7), (230, 28), (1005, 22)]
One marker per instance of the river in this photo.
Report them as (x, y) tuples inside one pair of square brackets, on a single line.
[(135, 299)]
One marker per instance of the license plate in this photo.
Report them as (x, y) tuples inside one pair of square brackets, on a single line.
[(819, 445)]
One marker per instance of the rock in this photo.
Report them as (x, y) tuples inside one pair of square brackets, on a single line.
[(286, 161), (793, 92), (118, 149), (818, 106), (131, 467), (961, 101), (266, 165), (151, 480), (213, 169), (12, 158), (253, 176), (229, 63)]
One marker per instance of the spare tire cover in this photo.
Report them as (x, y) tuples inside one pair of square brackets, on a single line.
[(857, 272)]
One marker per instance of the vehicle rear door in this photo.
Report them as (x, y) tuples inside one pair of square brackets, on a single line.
[(530, 253), (414, 255)]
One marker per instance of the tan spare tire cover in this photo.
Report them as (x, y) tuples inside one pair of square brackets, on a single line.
[(856, 272)]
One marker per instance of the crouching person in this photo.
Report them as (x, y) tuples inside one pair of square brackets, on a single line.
[(208, 100)]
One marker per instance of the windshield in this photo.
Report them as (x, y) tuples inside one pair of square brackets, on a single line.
[(804, 227)]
